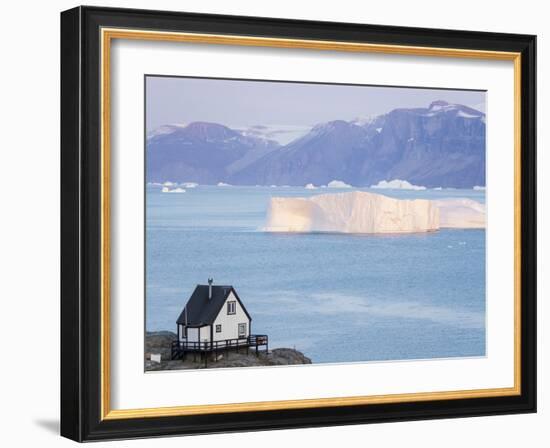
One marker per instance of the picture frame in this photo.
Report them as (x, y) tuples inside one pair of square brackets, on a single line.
[(87, 34)]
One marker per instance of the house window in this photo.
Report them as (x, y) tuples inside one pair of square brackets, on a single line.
[(218, 328), (242, 330), (231, 307)]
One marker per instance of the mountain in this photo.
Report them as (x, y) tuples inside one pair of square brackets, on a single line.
[(205, 153), (442, 145), (327, 152), (283, 134), (439, 146)]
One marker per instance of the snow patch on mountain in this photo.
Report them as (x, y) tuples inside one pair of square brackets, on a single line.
[(166, 129), (463, 114), (441, 105), (460, 110), (364, 120), (282, 134)]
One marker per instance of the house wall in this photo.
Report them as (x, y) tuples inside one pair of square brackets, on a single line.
[(230, 322), (193, 334), (205, 334)]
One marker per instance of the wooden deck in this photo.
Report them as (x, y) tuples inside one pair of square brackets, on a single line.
[(180, 349)]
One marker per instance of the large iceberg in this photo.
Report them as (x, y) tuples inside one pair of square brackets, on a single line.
[(364, 212), (354, 212), (461, 213)]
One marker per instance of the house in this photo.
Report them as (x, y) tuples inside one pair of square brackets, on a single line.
[(214, 320), (213, 313)]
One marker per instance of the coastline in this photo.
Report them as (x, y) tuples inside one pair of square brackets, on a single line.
[(158, 342)]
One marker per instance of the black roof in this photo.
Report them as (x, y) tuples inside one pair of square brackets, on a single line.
[(203, 311)]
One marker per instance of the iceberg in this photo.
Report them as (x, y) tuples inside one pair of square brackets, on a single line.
[(174, 190), (365, 212), (461, 213), (310, 187), (397, 184), (223, 184), (189, 184), (337, 184), (353, 212), (479, 188)]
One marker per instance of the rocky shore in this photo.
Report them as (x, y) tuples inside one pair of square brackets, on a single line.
[(159, 342)]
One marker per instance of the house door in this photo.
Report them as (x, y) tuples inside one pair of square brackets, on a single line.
[(242, 330)]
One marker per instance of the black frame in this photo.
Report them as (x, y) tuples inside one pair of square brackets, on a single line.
[(80, 224)]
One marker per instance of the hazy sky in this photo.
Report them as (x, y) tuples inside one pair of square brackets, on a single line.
[(245, 103)]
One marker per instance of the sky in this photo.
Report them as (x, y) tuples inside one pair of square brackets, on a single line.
[(238, 104)]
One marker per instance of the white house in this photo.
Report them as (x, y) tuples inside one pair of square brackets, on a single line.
[(213, 313)]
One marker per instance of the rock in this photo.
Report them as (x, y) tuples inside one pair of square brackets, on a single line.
[(160, 342), (286, 356)]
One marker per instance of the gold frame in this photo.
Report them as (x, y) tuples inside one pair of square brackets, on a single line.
[(107, 35)]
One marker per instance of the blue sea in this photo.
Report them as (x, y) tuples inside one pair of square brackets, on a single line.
[(335, 297)]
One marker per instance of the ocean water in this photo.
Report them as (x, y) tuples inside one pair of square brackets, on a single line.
[(335, 297)]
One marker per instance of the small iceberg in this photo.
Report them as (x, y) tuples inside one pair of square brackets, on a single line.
[(174, 190), (189, 184), (310, 187), (169, 184), (223, 184), (397, 184), (479, 188), (337, 184)]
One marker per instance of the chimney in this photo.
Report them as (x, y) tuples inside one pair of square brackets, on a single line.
[(210, 281)]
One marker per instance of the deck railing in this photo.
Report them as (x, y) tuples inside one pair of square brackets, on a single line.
[(179, 348)]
